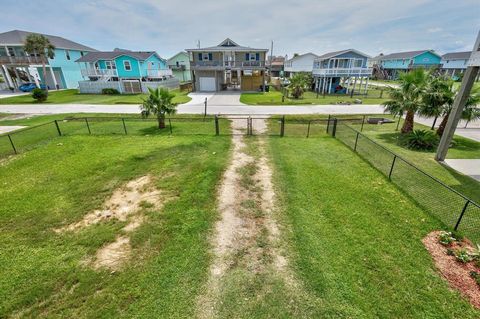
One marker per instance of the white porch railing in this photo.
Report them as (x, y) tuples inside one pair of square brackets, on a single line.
[(343, 71), (158, 73), (230, 64), (99, 72)]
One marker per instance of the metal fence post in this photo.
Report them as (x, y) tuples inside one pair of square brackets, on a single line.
[(282, 127), (391, 168), (88, 126), (356, 142), (461, 214), (328, 123), (170, 125), (334, 131), (58, 128), (217, 128), (363, 122), (124, 126), (13, 145), (308, 129), (381, 93)]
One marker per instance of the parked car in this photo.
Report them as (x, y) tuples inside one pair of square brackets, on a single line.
[(28, 87)]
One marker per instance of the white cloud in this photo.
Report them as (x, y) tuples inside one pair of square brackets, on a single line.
[(294, 25)]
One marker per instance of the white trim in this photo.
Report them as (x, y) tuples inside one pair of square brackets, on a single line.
[(125, 66)]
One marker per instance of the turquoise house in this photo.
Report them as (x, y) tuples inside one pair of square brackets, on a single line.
[(124, 70), (391, 64), (18, 66), (180, 66)]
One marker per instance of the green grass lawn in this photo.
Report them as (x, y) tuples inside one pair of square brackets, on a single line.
[(43, 274), (275, 98), (72, 96), (355, 238)]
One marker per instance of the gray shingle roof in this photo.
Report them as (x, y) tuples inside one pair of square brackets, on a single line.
[(457, 55), (404, 55), (110, 55), (335, 53), (17, 37), (226, 45)]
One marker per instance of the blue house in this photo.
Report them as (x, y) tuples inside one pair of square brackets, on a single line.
[(391, 64), (455, 63), (341, 72), (18, 66), (127, 71)]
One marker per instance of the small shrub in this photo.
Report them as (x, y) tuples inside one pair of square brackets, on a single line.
[(420, 140), (463, 256), (446, 238), (39, 95), (475, 275), (110, 91)]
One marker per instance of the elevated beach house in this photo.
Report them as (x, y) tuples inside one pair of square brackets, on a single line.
[(341, 72), (180, 66), (391, 64), (124, 70), (18, 67), (227, 66), (299, 63), (455, 63)]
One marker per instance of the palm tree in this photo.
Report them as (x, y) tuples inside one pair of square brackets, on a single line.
[(159, 103), (407, 98), (469, 111), (40, 45), (436, 95), (299, 83)]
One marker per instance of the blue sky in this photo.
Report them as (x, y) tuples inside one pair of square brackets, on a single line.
[(295, 26)]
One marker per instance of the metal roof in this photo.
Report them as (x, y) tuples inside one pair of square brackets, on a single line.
[(226, 45), (335, 53), (110, 55), (405, 55), (17, 37), (457, 55), (302, 55)]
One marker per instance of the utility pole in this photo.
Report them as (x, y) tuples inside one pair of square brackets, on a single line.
[(473, 66)]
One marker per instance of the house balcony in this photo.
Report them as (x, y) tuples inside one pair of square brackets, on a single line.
[(219, 64), (22, 60), (175, 67), (159, 73), (342, 72), (92, 72)]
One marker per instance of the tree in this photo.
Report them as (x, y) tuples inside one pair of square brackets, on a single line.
[(299, 83), (469, 113), (159, 103), (436, 95), (407, 98), (40, 45)]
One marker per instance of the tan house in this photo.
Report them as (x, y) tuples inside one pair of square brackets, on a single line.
[(227, 66)]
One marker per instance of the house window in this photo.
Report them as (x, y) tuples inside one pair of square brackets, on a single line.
[(253, 56), (127, 66), (206, 56), (11, 51), (358, 63), (67, 54), (110, 65), (81, 53), (177, 63)]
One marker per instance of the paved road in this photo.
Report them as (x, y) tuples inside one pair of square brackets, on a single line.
[(472, 130), (10, 128), (194, 109)]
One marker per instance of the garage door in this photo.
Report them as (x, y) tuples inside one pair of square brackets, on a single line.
[(207, 84)]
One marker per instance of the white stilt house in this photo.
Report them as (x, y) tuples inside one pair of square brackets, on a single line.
[(342, 72)]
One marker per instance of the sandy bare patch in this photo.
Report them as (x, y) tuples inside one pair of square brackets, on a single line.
[(125, 205), (123, 202), (113, 255), (456, 273)]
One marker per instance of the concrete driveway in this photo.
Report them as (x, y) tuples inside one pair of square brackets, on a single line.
[(225, 98), (469, 167)]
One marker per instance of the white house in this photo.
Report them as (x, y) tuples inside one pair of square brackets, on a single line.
[(300, 63)]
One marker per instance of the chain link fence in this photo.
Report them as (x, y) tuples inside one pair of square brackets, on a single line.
[(454, 209)]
